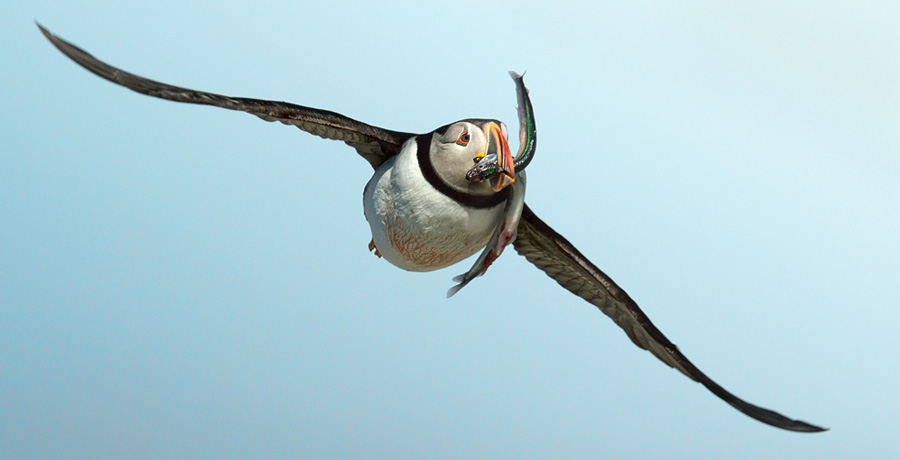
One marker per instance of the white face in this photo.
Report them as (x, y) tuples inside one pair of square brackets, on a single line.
[(454, 152)]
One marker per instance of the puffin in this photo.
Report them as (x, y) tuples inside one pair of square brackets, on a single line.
[(437, 198)]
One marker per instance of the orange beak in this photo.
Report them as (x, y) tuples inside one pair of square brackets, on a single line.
[(507, 175)]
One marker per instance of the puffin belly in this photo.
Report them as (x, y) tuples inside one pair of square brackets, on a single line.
[(418, 228)]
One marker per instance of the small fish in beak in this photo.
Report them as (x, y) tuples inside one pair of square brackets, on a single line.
[(489, 164), (495, 161), (485, 168)]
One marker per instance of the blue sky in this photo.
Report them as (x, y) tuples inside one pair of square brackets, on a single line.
[(188, 282)]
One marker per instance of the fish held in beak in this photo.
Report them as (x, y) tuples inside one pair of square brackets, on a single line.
[(496, 161), (500, 162)]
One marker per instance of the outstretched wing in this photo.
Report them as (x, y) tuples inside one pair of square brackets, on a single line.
[(373, 143), (553, 254)]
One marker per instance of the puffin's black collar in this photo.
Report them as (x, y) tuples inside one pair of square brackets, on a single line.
[(423, 148)]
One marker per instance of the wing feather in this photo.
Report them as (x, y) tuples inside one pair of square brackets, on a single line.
[(553, 254), (371, 142)]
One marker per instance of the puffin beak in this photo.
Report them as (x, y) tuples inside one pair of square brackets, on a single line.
[(498, 143)]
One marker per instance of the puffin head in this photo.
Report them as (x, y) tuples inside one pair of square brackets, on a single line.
[(457, 147)]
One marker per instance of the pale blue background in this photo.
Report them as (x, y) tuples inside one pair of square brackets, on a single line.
[(187, 282)]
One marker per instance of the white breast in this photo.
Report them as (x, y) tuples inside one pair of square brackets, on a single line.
[(416, 227)]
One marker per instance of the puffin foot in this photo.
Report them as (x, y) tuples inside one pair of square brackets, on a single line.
[(372, 247)]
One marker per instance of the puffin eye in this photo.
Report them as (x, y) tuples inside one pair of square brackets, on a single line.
[(463, 138)]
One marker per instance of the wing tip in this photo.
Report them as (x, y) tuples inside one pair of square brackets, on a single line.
[(44, 30), (798, 426), (810, 428), (761, 414)]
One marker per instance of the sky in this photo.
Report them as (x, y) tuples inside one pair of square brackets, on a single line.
[(188, 282)]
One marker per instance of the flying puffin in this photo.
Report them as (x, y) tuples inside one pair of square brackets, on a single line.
[(430, 207)]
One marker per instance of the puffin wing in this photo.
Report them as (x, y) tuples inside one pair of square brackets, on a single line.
[(373, 143), (553, 254)]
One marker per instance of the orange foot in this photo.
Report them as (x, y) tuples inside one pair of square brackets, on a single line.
[(372, 247)]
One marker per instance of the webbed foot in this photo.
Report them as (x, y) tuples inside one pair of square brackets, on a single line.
[(373, 248)]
